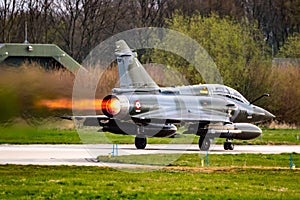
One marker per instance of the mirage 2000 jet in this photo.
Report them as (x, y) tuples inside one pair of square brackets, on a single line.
[(141, 108)]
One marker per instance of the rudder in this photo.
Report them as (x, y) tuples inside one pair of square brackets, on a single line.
[(132, 74)]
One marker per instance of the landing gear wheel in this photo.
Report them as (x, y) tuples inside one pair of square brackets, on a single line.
[(140, 143), (204, 143), (228, 145)]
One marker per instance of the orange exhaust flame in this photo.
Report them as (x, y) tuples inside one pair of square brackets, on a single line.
[(111, 106), (83, 104)]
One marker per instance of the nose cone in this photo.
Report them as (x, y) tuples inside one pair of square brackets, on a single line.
[(269, 115), (261, 114)]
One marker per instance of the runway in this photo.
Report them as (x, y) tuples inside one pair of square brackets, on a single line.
[(85, 155)]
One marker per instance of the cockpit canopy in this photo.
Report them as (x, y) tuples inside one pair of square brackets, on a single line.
[(223, 90), (206, 90)]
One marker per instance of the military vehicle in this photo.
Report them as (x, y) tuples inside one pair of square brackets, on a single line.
[(141, 108)]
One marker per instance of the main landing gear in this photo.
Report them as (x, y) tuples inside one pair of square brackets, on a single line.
[(228, 145), (140, 142), (204, 144)]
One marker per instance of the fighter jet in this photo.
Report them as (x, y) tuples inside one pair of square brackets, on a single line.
[(141, 108)]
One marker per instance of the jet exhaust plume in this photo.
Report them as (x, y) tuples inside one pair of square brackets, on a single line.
[(82, 104)]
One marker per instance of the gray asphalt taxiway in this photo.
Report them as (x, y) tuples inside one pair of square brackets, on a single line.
[(85, 155)]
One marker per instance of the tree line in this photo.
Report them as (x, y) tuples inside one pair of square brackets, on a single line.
[(77, 26), (244, 61)]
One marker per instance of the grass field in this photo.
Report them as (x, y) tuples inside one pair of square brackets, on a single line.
[(194, 160), (42, 135), (32, 135), (243, 176), (65, 182)]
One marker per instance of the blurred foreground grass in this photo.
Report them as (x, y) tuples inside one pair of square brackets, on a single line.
[(70, 182)]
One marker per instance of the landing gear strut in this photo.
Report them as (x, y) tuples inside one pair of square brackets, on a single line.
[(204, 143), (228, 145), (140, 142)]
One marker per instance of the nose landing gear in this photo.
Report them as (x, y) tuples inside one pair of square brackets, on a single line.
[(140, 142)]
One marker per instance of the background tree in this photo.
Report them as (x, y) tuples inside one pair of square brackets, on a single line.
[(291, 48), (284, 87), (276, 18), (77, 25), (9, 10), (229, 43)]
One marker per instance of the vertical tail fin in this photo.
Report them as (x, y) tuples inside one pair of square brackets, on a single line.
[(131, 72)]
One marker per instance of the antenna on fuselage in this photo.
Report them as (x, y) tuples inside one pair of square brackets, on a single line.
[(258, 98)]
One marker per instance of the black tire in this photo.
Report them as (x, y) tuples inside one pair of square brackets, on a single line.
[(140, 143), (228, 146), (204, 143)]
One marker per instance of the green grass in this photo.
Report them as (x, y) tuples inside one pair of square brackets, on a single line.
[(69, 182), (42, 135), (194, 160), (31, 135)]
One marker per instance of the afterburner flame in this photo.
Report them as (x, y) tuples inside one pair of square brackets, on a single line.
[(112, 106), (82, 104)]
